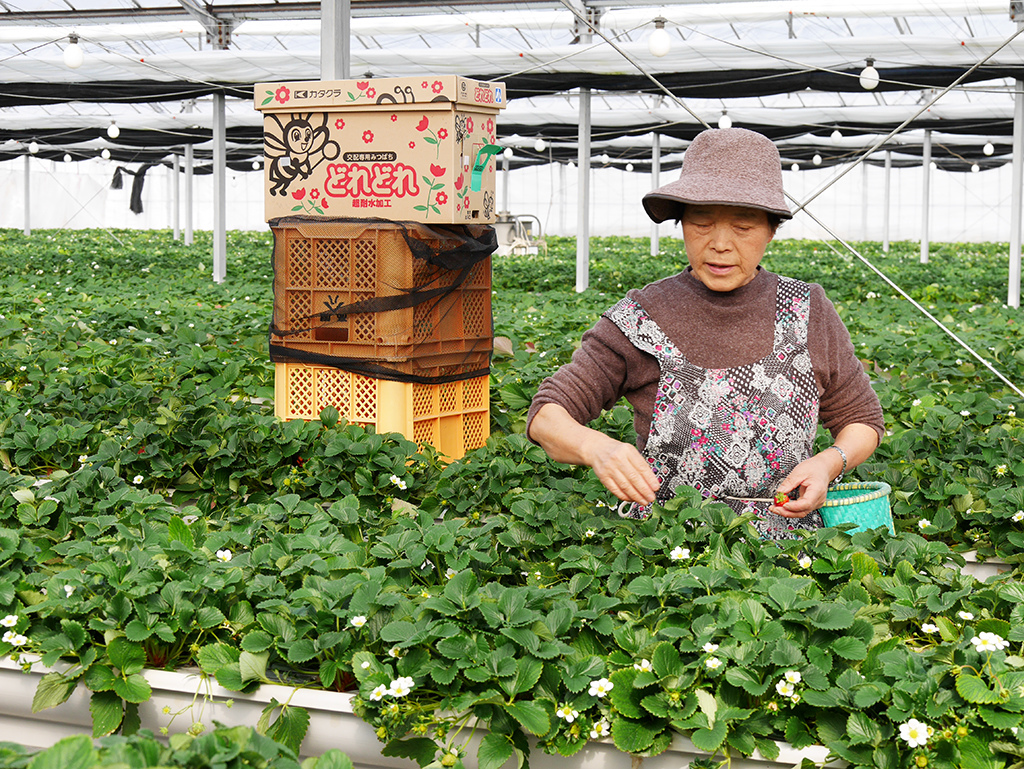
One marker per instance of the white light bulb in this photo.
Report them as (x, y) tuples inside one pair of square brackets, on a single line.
[(508, 153), (74, 56), (629, 166), (540, 145), (837, 135), (975, 168), (934, 166), (33, 147), (603, 158), (988, 149), (795, 167), (105, 154), (67, 158), (869, 77), (113, 131), (660, 42), (816, 160), (725, 121), (255, 165)]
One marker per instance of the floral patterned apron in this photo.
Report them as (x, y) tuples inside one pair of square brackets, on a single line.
[(734, 432)]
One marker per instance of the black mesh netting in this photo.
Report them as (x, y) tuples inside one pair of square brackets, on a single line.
[(404, 301)]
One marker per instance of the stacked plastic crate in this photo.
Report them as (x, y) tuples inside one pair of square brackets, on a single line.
[(361, 177)]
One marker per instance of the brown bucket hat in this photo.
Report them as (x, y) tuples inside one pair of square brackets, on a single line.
[(724, 166)]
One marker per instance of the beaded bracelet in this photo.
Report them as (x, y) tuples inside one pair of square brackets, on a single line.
[(842, 472)]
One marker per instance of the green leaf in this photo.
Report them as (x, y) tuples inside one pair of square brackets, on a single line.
[(126, 656), (253, 667), (69, 753), (531, 715), (461, 590), (179, 531), (107, 711), (290, 727), (830, 616), (213, 657), (973, 689), (862, 730), (666, 661), (632, 736), (850, 648), (495, 750), (710, 739), (209, 616), (999, 719), (624, 696), (100, 678), (419, 749), (52, 690), (798, 734), (976, 754), (134, 688), (528, 670), (335, 759), (746, 679)]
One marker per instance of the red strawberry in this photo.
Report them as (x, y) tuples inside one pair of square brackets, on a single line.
[(781, 499)]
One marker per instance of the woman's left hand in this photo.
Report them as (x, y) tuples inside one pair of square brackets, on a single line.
[(811, 477)]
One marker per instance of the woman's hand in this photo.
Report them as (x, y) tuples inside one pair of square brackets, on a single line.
[(811, 477), (619, 466)]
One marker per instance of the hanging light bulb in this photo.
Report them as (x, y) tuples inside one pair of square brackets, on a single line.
[(660, 42), (73, 54), (795, 167), (604, 159), (508, 153), (725, 121), (540, 145), (975, 168), (629, 166), (105, 154), (836, 135), (112, 130), (255, 165), (869, 76), (816, 160), (67, 158), (33, 147), (934, 166), (988, 149)]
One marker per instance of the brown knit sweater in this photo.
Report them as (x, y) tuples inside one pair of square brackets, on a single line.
[(713, 330)]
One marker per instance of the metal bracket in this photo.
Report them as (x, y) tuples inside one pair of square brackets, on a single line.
[(1016, 10)]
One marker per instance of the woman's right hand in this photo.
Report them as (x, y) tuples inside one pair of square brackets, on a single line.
[(619, 466), (623, 470)]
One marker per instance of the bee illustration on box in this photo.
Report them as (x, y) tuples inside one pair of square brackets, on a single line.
[(295, 148)]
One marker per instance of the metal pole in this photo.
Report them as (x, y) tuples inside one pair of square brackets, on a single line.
[(335, 39), (219, 190), (176, 196), (561, 199), (655, 183), (864, 201), (926, 167), (505, 165), (1017, 176), (583, 205), (28, 199), (189, 181), (885, 202)]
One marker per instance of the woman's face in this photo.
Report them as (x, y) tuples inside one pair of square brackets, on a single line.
[(724, 244)]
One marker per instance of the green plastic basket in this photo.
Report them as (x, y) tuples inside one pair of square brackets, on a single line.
[(865, 504)]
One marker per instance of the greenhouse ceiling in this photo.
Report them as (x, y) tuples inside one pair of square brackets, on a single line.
[(788, 69)]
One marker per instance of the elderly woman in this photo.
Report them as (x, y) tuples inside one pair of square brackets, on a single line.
[(728, 366)]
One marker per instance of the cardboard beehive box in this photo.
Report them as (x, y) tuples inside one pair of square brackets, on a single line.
[(410, 149)]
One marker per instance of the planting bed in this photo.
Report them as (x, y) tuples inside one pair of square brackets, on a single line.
[(155, 514)]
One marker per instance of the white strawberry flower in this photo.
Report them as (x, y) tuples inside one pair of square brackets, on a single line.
[(989, 642), (965, 615), (785, 688), (138, 479), (713, 663), (805, 562), (9, 621), (1001, 470), (1018, 516), (223, 556), (401, 686), (358, 621), (710, 648), (601, 729), (14, 639), (395, 652), (378, 693), (679, 553), (792, 676), (398, 482), (928, 627), (924, 523), (600, 687), (566, 713), (644, 666), (914, 733)]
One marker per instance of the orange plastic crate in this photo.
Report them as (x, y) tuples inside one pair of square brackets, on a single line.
[(453, 417), (320, 266)]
